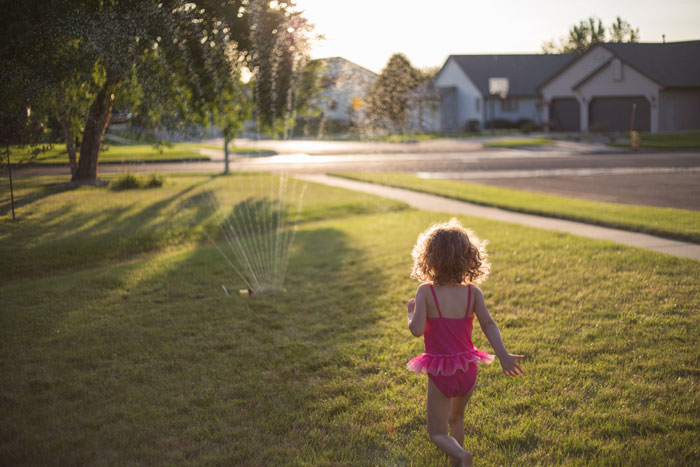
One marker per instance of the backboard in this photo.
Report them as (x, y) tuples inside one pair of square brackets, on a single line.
[(498, 86)]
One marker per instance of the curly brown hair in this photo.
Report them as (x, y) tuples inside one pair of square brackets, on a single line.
[(449, 253)]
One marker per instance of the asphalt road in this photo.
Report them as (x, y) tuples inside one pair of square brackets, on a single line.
[(667, 179)]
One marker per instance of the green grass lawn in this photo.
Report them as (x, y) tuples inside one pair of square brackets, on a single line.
[(132, 354), (686, 140), (123, 153), (515, 142), (666, 222)]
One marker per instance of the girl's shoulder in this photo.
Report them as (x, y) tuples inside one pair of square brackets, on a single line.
[(424, 288)]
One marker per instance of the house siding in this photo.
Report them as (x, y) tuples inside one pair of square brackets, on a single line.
[(463, 107), (527, 109), (424, 115), (347, 82), (607, 83), (561, 85), (679, 110)]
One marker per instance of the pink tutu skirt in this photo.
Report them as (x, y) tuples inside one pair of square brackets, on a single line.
[(447, 365)]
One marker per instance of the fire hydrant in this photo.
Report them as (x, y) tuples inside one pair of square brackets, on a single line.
[(634, 140)]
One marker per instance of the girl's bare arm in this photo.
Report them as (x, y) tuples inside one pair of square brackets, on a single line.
[(493, 334), (417, 313)]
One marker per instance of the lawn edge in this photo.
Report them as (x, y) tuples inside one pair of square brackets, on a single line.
[(584, 220)]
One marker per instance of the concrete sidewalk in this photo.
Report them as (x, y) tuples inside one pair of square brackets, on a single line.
[(436, 203)]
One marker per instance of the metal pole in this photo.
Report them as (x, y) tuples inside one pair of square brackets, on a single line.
[(12, 192)]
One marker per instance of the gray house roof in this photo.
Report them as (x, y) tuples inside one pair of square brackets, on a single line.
[(673, 64), (427, 91), (525, 72)]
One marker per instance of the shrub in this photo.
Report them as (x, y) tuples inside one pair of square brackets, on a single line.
[(126, 181), (129, 181), (472, 126), (155, 181), (502, 124), (526, 125)]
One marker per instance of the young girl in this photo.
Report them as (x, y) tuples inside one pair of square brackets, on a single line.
[(451, 259)]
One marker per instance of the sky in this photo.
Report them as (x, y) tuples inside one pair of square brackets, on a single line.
[(368, 32)]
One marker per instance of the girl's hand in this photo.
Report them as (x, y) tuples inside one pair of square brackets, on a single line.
[(411, 306), (510, 366)]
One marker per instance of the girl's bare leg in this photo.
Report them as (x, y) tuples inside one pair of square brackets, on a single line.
[(456, 420), (438, 412)]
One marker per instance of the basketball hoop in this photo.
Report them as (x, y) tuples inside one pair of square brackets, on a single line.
[(498, 86)]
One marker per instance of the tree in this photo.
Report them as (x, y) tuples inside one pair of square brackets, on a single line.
[(173, 58), (386, 98), (280, 39), (587, 33), (309, 86), (622, 31)]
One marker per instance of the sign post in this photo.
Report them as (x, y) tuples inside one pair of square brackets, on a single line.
[(499, 87)]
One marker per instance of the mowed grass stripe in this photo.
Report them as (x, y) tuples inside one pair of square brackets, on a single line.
[(666, 222)]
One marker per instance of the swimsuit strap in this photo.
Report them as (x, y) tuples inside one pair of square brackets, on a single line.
[(469, 297), (436, 301)]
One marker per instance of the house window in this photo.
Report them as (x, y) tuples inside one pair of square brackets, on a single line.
[(477, 104), (509, 105)]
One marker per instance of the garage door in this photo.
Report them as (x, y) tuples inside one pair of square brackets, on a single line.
[(564, 115), (615, 114)]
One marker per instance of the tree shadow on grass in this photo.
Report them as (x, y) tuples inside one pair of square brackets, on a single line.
[(24, 200), (66, 238), (158, 351)]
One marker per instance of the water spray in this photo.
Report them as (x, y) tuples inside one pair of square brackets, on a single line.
[(259, 231)]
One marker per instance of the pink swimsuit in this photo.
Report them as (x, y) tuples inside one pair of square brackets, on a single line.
[(450, 357)]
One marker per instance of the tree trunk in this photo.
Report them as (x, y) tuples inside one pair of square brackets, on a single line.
[(226, 141), (95, 126), (65, 125)]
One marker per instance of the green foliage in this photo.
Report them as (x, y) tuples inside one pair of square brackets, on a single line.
[(622, 31), (515, 142), (56, 154), (284, 81), (129, 181), (154, 181), (173, 65), (588, 32), (126, 181), (386, 99), (685, 140)]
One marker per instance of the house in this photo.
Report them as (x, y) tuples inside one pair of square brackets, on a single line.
[(426, 104), (345, 86), (621, 86), (611, 87), (463, 84)]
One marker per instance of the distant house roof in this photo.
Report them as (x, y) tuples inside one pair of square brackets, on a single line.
[(344, 61), (671, 64), (525, 72), (428, 90)]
